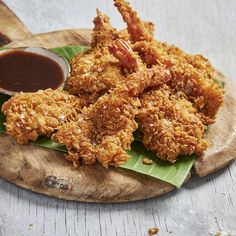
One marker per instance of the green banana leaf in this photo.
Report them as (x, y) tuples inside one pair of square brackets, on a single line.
[(46, 142), (174, 174), (68, 52)]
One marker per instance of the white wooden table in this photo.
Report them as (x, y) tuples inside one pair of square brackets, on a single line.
[(203, 206)]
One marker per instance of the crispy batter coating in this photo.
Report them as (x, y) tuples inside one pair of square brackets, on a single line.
[(93, 74), (128, 59), (171, 125), (165, 117), (29, 115), (139, 76), (104, 131), (137, 29), (192, 74), (96, 71), (103, 32)]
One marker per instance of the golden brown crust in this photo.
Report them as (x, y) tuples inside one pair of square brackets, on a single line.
[(137, 29), (104, 130), (191, 74), (93, 74), (29, 115), (170, 125), (103, 32), (96, 71)]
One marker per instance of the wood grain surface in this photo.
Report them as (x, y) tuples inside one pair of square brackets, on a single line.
[(11, 28), (204, 206), (56, 39)]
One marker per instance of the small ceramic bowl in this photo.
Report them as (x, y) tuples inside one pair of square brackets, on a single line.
[(64, 65)]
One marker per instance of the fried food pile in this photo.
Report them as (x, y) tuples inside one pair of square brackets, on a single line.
[(125, 81), (104, 130)]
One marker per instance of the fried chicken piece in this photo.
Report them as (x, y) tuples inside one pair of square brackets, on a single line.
[(96, 71), (29, 115), (171, 125), (104, 131), (191, 74)]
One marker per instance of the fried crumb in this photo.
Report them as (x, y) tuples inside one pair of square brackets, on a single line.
[(223, 233), (147, 161), (153, 231)]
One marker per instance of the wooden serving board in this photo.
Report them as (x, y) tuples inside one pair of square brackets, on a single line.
[(46, 171), (11, 27)]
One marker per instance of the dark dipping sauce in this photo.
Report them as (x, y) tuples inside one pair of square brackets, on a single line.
[(22, 71)]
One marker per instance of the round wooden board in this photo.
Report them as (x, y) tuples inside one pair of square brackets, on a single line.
[(47, 172)]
